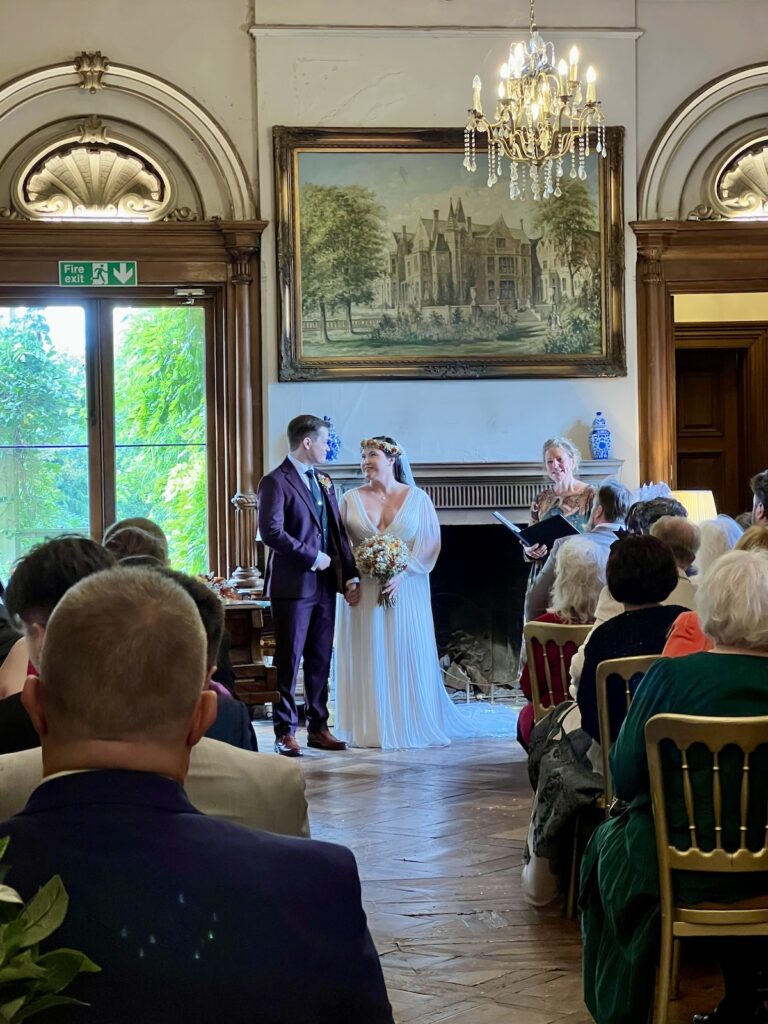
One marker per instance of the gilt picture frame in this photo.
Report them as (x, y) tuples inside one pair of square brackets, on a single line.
[(394, 262)]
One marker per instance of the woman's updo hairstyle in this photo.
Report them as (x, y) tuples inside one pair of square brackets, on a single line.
[(398, 466), (567, 445)]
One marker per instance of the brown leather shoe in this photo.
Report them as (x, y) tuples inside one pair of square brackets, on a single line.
[(287, 745), (324, 740)]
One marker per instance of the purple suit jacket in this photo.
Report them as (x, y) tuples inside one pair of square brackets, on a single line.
[(289, 525)]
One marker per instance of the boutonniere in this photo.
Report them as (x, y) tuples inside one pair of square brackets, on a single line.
[(325, 482)]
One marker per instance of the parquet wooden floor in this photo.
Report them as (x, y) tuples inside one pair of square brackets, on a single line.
[(438, 837)]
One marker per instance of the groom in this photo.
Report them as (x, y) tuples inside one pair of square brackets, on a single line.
[(310, 560)]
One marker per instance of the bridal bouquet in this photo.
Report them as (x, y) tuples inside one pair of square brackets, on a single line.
[(382, 557)]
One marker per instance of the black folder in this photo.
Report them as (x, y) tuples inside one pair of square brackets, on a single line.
[(546, 531)]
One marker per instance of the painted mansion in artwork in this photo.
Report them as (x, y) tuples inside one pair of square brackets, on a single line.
[(455, 261)]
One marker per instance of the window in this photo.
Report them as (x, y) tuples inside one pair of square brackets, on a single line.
[(490, 265), (104, 416), (501, 243), (507, 289), (506, 265), (491, 289)]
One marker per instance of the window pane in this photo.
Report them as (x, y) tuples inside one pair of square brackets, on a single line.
[(160, 455), (43, 427)]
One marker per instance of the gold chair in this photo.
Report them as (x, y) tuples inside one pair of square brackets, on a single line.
[(549, 633), (624, 669), (730, 810)]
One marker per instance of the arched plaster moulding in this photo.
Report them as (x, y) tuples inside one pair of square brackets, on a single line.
[(718, 118), (130, 94)]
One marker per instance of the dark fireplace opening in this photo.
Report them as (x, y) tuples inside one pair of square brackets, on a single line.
[(478, 590)]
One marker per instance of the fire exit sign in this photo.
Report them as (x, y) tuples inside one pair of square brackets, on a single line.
[(98, 273)]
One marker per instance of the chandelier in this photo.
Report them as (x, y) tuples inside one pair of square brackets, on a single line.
[(543, 115)]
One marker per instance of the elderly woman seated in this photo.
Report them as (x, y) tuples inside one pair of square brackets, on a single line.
[(641, 574), (686, 636), (619, 877), (579, 578), (717, 536)]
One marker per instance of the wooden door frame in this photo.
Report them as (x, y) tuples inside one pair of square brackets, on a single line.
[(221, 257), (678, 258)]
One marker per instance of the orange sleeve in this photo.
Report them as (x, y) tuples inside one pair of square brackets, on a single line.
[(686, 637)]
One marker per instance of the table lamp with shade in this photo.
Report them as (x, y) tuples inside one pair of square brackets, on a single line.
[(700, 505)]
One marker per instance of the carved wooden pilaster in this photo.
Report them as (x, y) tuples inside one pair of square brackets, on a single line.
[(656, 365), (242, 248)]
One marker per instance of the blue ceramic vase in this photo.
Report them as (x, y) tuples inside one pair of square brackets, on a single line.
[(600, 438), (334, 442)]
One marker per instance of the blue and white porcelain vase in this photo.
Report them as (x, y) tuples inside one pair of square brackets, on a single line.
[(600, 438), (334, 442)]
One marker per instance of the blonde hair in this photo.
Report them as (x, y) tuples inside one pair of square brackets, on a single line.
[(732, 600), (755, 538), (567, 445), (681, 535), (124, 657), (579, 578)]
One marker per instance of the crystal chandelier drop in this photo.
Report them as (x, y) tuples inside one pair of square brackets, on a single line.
[(543, 115)]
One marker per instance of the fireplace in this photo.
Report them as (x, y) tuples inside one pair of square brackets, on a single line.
[(478, 584)]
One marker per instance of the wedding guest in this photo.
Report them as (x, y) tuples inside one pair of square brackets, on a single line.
[(39, 581), (641, 573), (138, 523), (686, 635), (640, 518), (619, 878), (717, 536), (759, 485), (138, 545), (566, 495), (608, 514), (119, 705), (579, 578), (9, 635)]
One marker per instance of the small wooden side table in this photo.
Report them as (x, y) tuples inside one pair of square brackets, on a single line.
[(246, 622)]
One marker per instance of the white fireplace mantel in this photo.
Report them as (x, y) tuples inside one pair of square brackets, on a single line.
[(465, 493)]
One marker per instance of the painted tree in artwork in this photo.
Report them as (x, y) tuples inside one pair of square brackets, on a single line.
[(570, 222), (342, 248)]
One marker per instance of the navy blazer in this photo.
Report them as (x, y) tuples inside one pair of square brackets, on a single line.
[(290, 526), (190, 918)]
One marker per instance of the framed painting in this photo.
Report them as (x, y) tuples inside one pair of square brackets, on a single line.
[(396, 262)]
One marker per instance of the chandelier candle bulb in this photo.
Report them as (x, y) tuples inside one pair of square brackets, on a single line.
[(476, 87), (573, 73), (562, 76), (591, 78)]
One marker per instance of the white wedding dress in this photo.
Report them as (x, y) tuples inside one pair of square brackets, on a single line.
[(390, 689)]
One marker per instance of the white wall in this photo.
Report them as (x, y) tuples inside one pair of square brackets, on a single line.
[(411, 78)]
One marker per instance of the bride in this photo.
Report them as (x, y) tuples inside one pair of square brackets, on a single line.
[(390, 689)]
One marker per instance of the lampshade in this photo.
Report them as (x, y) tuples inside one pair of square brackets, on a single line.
[(699, 505)]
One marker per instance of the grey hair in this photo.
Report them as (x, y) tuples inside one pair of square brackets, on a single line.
[(681, 535), (566, 444), (579, 578), (732, 600), (717, 536)]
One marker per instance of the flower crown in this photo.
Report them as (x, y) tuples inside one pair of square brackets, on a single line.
[(393, 450)]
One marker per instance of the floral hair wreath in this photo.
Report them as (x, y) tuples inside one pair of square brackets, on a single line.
[(393, 450)]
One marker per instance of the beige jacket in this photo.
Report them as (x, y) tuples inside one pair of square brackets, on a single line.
[(259, 791)]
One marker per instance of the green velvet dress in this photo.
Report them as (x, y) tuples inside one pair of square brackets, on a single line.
[(619, 875)]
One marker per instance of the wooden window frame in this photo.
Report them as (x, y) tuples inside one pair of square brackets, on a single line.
[(216, 256)]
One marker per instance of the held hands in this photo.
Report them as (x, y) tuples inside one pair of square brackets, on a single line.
[(391, 588), (323, 561), (536, 552), (352, 594)]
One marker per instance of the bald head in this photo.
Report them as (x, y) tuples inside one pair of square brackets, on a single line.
[(124, 659), (681, 535)]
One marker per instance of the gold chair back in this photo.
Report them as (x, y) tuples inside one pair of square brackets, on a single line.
[(623, 670), (732, 811), (549, 633)]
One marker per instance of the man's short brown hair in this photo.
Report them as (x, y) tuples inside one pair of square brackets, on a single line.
[(124, 658), (304, 426)]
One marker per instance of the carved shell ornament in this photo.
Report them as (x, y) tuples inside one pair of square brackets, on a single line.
[(98, 182), (742, 186)]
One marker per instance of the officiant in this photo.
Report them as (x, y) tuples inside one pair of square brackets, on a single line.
[(566, 495)]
